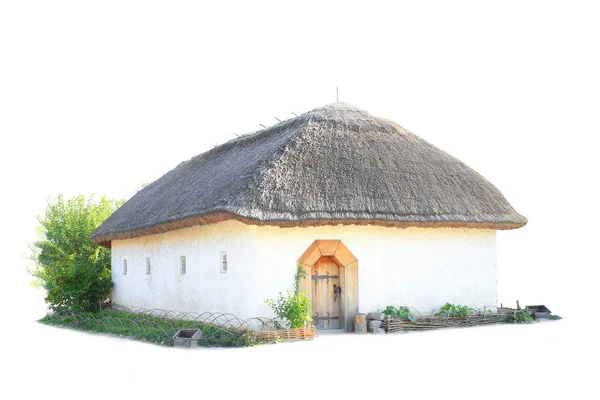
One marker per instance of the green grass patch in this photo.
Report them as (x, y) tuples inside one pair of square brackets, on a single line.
[(150, 329), (554, 317)]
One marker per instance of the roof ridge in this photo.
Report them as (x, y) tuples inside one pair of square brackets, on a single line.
[(250, 137)]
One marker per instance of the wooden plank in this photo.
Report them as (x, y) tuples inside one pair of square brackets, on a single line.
[(324, 292), (351, 281), (311, 255), (347, 316), (326, 285), (336, 303), (342, 300), (316, 296), (329, 289), (343, 256), (328, 247)]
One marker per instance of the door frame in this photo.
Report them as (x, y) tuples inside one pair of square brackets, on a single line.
[(348, 276)]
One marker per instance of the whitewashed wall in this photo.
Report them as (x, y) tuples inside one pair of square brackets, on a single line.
[(418, 267), (203, 287)]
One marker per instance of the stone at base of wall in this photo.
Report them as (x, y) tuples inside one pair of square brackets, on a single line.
[(376, 316), (374, 324), (375, 319)]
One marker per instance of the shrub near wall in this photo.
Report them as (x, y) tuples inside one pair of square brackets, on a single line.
[(75, 272), (292, 309)]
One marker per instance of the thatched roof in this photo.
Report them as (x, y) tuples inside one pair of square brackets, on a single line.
[(335, 164)]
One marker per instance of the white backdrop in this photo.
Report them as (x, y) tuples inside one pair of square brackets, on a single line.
[(102, 97)]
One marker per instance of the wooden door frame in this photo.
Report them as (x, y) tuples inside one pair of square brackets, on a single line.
[(348, 276)]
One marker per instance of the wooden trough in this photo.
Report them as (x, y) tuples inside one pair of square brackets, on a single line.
[(187, 338)]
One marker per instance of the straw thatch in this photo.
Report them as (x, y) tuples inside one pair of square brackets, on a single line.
[(336, 164)]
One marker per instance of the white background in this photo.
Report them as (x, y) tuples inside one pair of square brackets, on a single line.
[(101, 97)]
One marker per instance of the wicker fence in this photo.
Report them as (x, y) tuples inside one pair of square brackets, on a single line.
[(262, 328), (159, 326), (287, 334), (398, 324)]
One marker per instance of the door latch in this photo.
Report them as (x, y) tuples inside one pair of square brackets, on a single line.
[(337, 290)]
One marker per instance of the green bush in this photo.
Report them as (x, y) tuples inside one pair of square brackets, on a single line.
[(401, 311), (521, 317), (294, 308), (75, 272), (455, 310)]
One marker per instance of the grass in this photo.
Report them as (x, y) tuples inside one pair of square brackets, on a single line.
[(149, 329)]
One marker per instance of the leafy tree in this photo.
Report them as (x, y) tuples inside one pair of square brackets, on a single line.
[(75, 272)]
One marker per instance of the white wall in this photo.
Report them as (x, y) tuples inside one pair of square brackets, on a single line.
[(419, 267), (203, 287)]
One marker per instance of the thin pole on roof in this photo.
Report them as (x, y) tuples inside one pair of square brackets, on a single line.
[(337, 98), (263, 126), (294, 113), (277, 119)]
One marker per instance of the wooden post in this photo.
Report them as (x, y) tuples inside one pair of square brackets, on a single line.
[(360, 323)]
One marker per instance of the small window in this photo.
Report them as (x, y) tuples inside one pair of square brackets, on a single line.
[(182, 265), (147, 266), (223, 266), (124, 267)]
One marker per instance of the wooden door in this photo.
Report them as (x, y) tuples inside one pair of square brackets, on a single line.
[(326, 294)]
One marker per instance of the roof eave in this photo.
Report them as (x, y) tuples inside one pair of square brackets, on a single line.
[(215, 217)]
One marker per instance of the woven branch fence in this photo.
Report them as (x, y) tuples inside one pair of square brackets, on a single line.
[(288, 334), (399, 324), (217, 319), (261, 328), (159, 326)]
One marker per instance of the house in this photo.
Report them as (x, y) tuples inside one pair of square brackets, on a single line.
[(372, 213)]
